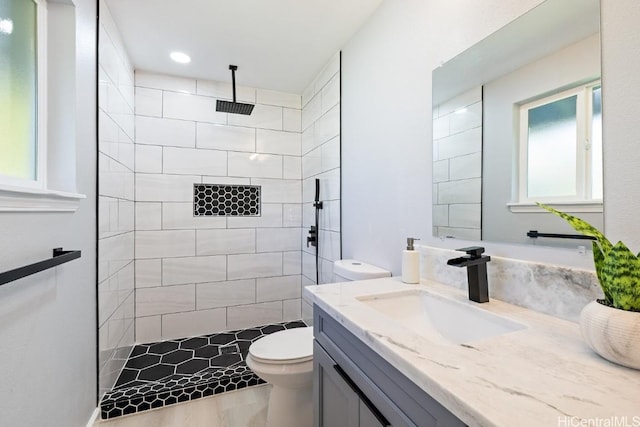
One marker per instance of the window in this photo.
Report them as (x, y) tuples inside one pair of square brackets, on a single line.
[(22, 93), (561, 147), (37, 123)]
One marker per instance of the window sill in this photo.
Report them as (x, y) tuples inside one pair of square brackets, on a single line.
[(16, 199), (569, 207)]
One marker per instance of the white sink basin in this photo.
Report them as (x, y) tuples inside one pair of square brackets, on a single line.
[(439, 317)]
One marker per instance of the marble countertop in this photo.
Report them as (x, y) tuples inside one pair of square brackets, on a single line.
[(544, 375)]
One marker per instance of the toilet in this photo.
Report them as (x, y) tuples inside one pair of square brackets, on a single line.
[(284, 359)]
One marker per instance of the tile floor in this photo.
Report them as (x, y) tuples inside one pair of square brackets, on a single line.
[(164, 373)]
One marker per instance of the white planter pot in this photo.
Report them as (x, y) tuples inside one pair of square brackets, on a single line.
[(612, 333)]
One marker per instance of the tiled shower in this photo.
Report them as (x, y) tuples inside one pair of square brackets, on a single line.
[(198, 274), (173, 263), (457, 166)]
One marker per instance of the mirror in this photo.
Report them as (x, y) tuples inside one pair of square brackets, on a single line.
[(517, 120)]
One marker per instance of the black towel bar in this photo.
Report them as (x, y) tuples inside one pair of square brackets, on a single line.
[(59, 257), (535, 234)]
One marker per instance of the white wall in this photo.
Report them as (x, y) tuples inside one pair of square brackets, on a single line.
[(48, 320), (386, 154), (621, 92), (200, 275), (387, 123)]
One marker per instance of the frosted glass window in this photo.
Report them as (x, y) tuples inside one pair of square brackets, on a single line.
[(18, 89), (561, 147), (552, 139)]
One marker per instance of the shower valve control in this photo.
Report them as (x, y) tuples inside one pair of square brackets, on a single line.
[(312, 238)]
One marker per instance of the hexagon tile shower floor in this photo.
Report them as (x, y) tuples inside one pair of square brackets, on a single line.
[(168, 372)]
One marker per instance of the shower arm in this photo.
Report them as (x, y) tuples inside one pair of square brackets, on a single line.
[(233, 69)]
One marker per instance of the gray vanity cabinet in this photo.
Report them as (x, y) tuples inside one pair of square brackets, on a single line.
[(342, 405), (353, 386)]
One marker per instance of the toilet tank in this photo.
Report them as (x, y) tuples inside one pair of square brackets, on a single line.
[(345, 270)]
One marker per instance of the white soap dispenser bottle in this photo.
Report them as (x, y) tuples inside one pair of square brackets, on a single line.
[(410, 263)]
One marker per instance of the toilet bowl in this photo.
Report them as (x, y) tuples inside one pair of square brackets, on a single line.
[(285, 360)]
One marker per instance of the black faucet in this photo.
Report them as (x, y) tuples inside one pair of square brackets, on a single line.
[(476, 264)]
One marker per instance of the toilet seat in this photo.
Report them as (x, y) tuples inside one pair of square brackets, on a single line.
[(284, 347)]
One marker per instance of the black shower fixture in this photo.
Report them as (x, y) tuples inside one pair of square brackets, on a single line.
[(234, 107), (314, 232)]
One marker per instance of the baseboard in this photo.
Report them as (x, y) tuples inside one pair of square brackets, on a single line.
[(94, 417)]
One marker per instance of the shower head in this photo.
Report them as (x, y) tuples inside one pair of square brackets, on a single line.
[(234, 107)]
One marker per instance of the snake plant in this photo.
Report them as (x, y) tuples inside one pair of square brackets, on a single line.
[(618, 269)]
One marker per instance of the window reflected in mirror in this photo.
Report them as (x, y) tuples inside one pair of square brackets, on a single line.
[(538, 130), (558, 145)]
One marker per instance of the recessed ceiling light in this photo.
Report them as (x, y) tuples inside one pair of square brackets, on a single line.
[(180, 57)]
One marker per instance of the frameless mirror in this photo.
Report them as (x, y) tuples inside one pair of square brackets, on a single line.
[(517, 120)]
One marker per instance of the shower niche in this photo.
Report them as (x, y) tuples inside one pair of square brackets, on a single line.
[(226, 200)]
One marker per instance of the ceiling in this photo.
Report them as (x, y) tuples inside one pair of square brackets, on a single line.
[(276, 44), (545, 29)]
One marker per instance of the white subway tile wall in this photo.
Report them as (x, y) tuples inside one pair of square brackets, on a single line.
[(200, 275), (223, 137), (165, 188), (287, 287), (165, 300), (225, 294), (148, 216), (278, 239), (178, 271), (244, 316), (223, 90), (161, 131), (457, 166), (148, 158), (190, 323), (179, 216), (192, 161), (148, 102), (292, 262), (116, 208), (320, 121), (255, 165), (148, 273), (254, 265), (226, 241), (278, 142), (164, 82), (291, 120)]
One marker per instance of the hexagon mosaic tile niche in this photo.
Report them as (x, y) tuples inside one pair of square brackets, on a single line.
[(168, 372), (226, 200)]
